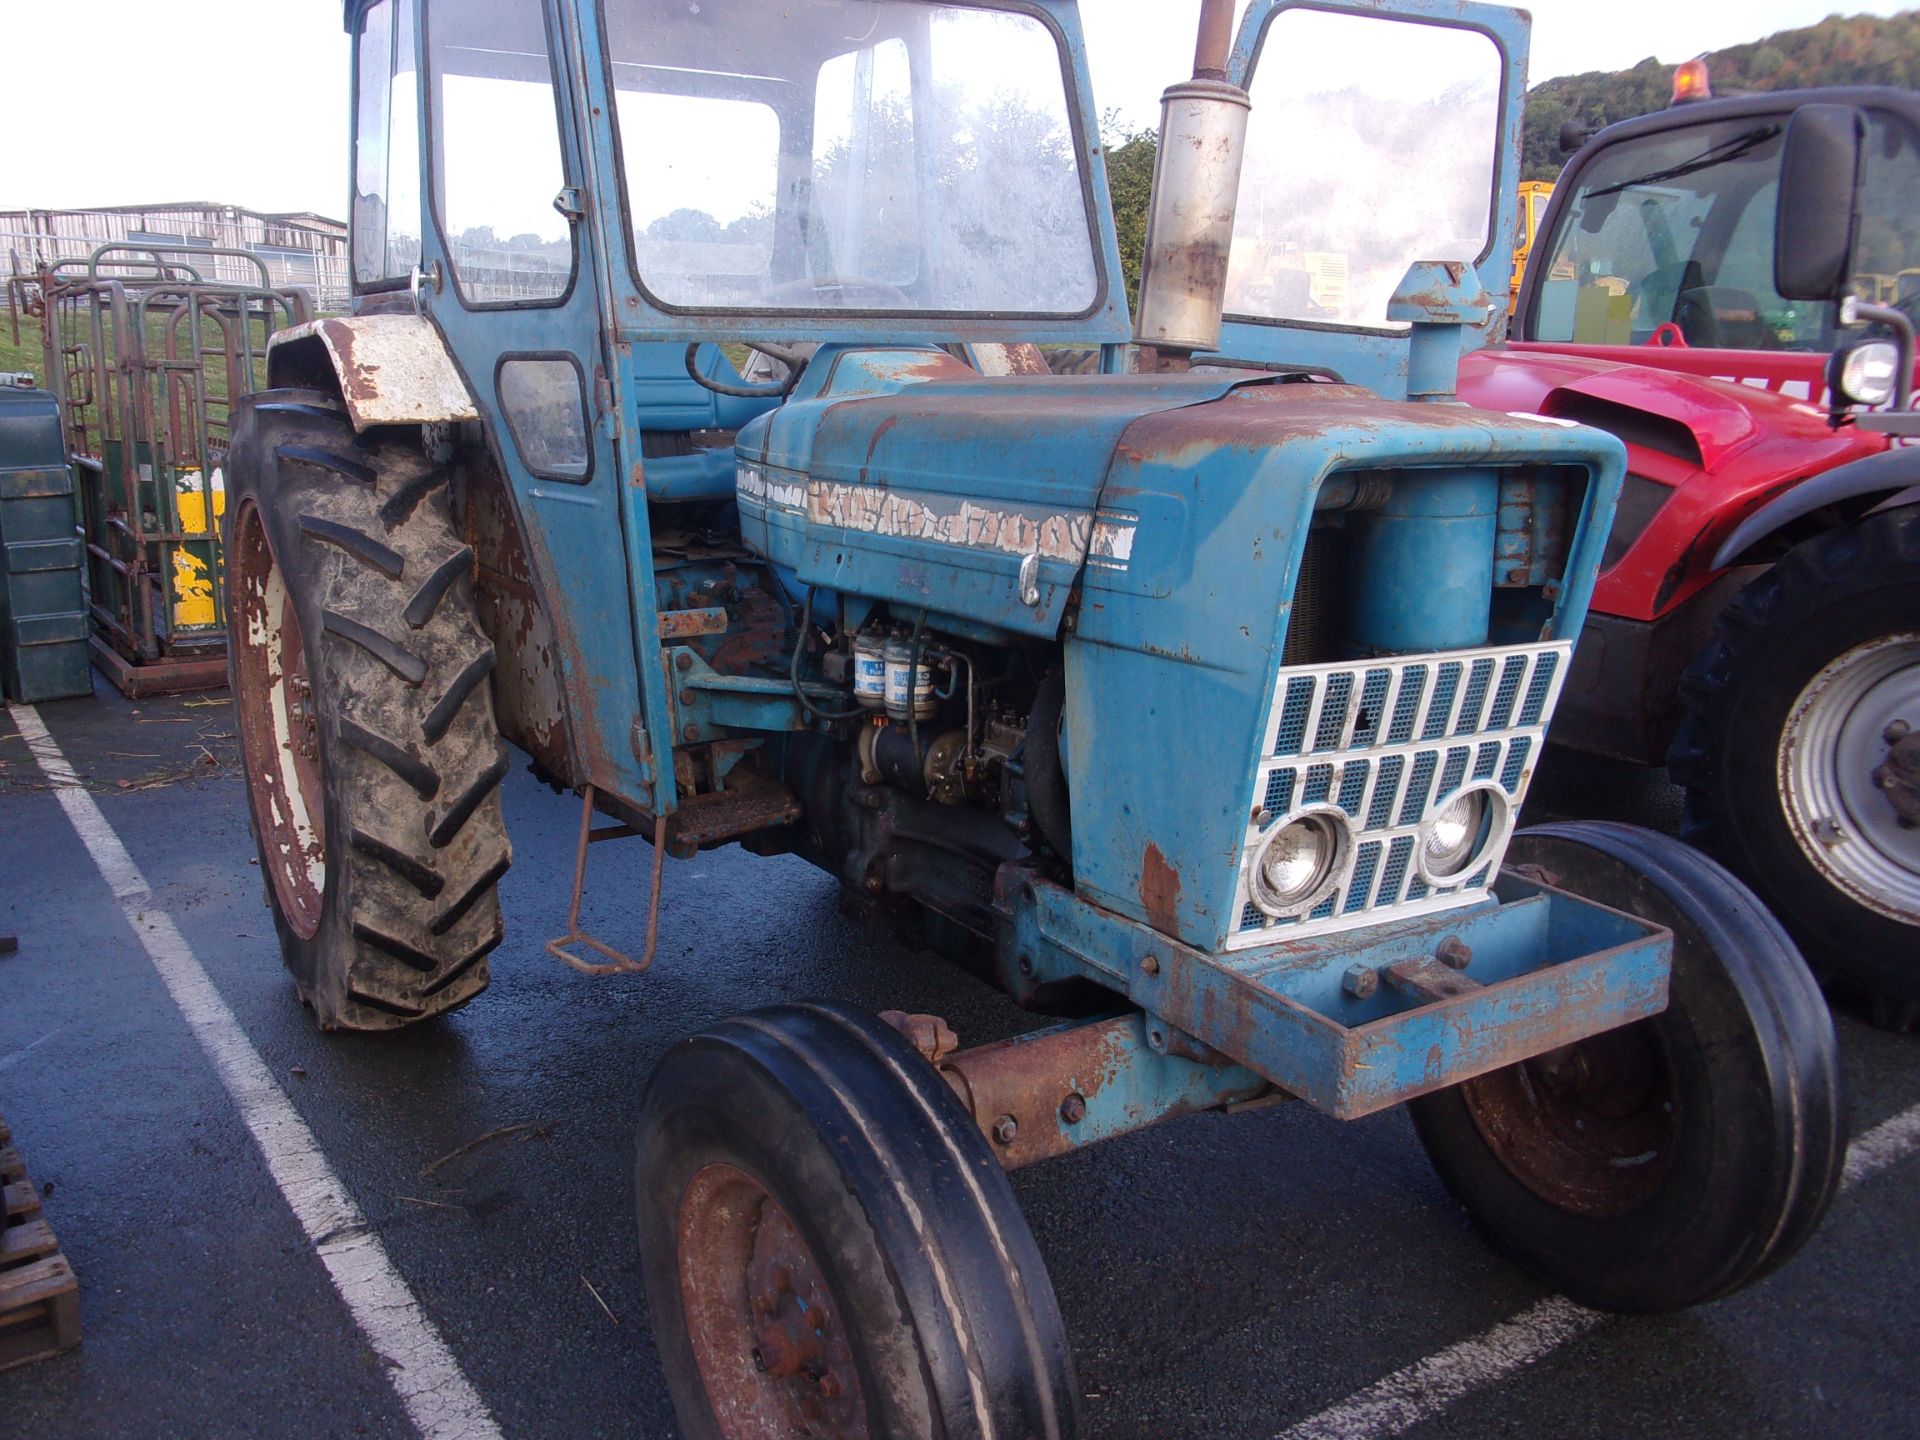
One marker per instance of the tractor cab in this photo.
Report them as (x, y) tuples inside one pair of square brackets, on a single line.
[(1661, 236)]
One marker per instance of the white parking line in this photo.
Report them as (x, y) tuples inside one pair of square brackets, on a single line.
[(1402, 1400), (438, 1398)]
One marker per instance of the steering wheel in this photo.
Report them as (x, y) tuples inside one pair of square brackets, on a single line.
[(811, 285)]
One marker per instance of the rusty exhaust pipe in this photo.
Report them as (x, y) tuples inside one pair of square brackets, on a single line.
[(1196, 190), (1215, 40)]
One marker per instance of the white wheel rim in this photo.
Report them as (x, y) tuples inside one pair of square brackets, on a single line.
[(1834, 739)]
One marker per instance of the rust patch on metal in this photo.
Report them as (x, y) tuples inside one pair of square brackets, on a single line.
[(393, 369), (278, 721), (772, 1349), (750, 802), (526, 683), (1159, 890), (759, 627), (996, 359), (1030, 1078), (688, 624), (1047, 1083), (879, 434), (1590, 1127), (928, 1034)]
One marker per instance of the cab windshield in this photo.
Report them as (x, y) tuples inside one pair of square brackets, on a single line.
[(873, 155), (1672, 235)]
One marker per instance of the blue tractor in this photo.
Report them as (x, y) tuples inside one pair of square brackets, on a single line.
[(1192, 704)]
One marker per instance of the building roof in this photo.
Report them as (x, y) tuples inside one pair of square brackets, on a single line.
[(283, 217)]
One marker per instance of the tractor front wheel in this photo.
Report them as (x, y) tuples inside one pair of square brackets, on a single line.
[(360, 683), (1675, 1160), (829, 1247)]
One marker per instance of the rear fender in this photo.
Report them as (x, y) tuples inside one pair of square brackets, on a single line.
[(389, 369)]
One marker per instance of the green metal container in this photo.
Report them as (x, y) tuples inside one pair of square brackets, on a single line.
[(43, 608)]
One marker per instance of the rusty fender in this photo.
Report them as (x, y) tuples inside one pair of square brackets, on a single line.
[(391, 369)]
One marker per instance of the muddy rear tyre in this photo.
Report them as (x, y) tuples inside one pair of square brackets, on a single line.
[(360, 677)]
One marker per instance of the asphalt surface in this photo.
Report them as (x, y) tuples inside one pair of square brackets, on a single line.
[(1222, 1276)]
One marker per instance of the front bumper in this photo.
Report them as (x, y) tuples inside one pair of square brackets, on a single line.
[(1547, 968)]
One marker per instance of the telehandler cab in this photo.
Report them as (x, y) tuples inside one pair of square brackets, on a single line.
[(1756, 620), (1189, 705)]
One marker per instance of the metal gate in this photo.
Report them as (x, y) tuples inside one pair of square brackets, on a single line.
[(147, 356)]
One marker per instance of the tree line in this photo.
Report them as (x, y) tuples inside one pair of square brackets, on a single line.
[(1839, 50)]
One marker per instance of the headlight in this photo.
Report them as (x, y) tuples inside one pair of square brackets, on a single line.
[(1303, 862), (1462, 833), (1864, 373)]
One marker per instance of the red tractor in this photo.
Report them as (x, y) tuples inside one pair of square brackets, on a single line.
[(1756, 623)]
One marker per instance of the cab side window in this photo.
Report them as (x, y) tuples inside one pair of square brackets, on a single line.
[(497, 165), (386, 147)]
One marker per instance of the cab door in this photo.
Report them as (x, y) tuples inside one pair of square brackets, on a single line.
[(1381, 134), (509, 276)]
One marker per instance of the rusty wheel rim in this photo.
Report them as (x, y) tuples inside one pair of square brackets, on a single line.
[(279, 728), (773, 1351), (1590, 1127)]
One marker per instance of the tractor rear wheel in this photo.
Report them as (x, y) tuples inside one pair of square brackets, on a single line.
[(830, 1248), (360, 681), (1675, 1160), (1800, 749)]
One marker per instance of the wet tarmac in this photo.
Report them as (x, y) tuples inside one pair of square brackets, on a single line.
[(1223, 1276)]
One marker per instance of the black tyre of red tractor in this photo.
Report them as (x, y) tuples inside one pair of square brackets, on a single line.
[(1675, 1160), (1787, 748), (830, 1248), (360, 680)]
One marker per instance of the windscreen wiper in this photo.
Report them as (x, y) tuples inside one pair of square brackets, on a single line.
[(1726, 150)]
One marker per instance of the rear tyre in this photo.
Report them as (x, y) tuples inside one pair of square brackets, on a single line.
[(360, 681), (830, 1248), (1788, 748), (1675, 1160)]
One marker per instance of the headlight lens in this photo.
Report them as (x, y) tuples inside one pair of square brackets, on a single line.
[(1865, 373), (1454, 831), (1462, 833), (1302, 862)]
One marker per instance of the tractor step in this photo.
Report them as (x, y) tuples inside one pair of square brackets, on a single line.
[(39, 1296), (750, 802)]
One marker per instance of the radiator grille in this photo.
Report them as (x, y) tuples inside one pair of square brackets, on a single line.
[(1387, 741)]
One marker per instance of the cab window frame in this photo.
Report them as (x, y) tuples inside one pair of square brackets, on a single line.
[(569, 176), (1503, 161), (513, 431), (1074, 101), (383, 284)]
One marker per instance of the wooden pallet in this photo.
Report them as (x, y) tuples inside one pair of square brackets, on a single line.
[(39, 1296)]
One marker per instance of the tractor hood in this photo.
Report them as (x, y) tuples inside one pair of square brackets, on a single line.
[(1705, 424), (1182, 506), (906, 476)]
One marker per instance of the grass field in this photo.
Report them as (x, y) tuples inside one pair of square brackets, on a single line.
[(26, 354)]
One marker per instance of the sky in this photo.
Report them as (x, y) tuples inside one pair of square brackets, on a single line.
[(151, 122)]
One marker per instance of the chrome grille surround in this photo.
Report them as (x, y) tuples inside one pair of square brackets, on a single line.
[(1389, 742)]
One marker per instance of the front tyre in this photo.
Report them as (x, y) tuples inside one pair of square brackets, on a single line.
[(830, 1249), (1675, 1160), (360, 681), (1792, 753)]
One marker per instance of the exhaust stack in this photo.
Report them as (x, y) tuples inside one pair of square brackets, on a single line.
[(1196, 190)]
